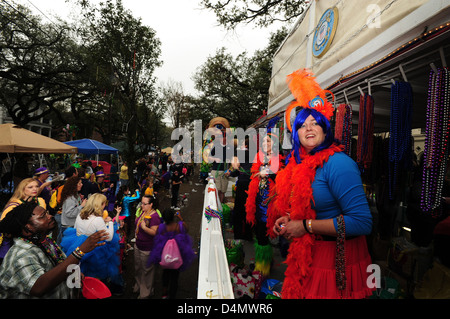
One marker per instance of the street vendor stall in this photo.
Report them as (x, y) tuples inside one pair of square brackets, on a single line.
[(15, 139), (92, 147)]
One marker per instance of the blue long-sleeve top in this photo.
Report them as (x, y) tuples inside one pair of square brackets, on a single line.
[(338, 189), (126, 202)]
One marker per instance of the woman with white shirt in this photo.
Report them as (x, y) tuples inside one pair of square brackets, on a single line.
[(103, 262), (92, 217)]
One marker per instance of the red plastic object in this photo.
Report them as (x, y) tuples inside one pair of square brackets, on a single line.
[(95, 289)]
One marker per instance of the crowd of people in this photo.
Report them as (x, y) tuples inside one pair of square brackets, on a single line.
[(311, 196), (93, 219)]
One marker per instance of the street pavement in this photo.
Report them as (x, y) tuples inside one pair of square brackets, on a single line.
[(191, 208)]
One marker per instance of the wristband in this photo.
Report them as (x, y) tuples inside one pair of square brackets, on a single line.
[(74, 254), (309, 226), (79, 252), (306, 228)]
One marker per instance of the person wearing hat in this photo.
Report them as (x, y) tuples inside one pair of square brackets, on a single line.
[(99, 186), (41, 175), (320, 205), (43, 269), (216, 154)]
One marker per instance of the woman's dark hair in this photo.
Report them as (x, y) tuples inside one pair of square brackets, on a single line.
[(70, 188), (168, 216), (323, 123), (71, 171), (152, 200), (121, 193)]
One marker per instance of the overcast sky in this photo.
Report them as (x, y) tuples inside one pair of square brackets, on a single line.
[(188, 34)]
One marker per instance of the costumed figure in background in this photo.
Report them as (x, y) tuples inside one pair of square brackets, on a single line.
[(320, 204), (126, 199), (178, 230), (215, 154), (242, 170), (99, 184), (41, 174), (111, 196), (265, 166)]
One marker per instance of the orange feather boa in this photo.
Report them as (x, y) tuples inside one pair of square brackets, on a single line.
[(253, 187), (294, 195)]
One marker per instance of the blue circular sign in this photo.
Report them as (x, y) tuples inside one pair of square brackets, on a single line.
[(325, 30)]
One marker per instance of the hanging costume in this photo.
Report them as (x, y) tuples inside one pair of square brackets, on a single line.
[(260, 191), (322, 185)]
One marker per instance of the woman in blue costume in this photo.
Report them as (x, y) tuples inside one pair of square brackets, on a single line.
[(125, 199), (260, 191), (320, 205), (103, 262)]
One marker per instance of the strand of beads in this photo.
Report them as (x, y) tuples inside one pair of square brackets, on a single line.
[(343, 129), (210, 213), (341, 278), (430, 123), (399, 131), (365, 131), (436, 142)]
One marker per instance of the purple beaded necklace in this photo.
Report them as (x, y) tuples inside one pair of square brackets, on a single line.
[(436, 142), (399, 131)]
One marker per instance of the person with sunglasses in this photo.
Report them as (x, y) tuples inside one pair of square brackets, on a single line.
[(146, 227)]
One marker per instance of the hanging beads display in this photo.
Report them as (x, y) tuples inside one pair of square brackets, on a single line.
[(399, 131), (436, 142), (365, 132), (343, 128)]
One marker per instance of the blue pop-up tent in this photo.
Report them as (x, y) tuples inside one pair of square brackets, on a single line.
[(92, 147)]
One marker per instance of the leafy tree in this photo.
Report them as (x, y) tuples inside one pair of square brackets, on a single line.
[(236, 88), (263, 13), (126, 54), (40, 66)]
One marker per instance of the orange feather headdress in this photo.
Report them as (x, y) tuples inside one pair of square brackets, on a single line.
[(308, 94)]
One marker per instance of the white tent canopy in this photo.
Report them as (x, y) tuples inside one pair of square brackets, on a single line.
[(366, 32)]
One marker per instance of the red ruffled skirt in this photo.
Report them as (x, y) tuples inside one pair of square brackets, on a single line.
[(321, 284)]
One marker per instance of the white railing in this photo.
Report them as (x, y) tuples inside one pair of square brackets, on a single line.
[(213, 273)]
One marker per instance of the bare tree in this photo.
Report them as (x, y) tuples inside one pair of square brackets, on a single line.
[(177, 102), (262, 13)]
